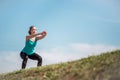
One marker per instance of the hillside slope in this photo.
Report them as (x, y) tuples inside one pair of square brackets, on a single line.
[(101, 67)]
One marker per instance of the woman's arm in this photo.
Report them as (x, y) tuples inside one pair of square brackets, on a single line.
[(31, 36), (43, 34)]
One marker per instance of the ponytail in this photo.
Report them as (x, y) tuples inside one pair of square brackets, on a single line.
[(30, 29)]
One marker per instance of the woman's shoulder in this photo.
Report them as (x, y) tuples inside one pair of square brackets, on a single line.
[(27, 37)]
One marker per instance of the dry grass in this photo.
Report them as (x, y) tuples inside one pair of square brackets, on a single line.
[(102, 67)]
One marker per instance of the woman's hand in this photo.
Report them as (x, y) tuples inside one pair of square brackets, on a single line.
[(41, 35), (44, 33)]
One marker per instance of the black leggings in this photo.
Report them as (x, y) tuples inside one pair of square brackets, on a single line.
[(34, 56)]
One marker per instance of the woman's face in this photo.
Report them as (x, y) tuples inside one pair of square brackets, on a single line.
[(33, 30)]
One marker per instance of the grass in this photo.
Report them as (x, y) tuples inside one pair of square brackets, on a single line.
[(105, 66)]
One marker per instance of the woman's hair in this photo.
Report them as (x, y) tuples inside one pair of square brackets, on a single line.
[(30, 29)]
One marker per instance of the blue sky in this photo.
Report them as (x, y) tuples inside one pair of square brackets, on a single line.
[(76, 29)]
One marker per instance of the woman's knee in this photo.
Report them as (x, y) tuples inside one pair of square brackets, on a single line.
[(23, 56), (40, 58)]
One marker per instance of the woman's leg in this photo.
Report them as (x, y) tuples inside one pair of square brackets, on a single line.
[(25, 58), (36, 57)]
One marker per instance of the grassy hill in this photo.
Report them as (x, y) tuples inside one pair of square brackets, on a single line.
[(105, 66)]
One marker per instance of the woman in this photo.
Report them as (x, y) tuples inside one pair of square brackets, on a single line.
[(28, 50)]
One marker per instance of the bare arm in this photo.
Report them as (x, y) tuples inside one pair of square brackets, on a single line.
[(43, 34), (31, 36)]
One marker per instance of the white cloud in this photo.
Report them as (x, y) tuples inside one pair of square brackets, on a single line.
[(92, 48), (74, 51), (11, 60)]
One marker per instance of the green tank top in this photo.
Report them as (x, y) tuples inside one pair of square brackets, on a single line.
[(29, 47)]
